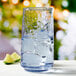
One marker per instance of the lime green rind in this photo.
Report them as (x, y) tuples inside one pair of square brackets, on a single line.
[(12, 62), (17, 60), (8, 63)]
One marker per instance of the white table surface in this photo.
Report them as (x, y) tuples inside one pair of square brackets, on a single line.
[(61, 68)]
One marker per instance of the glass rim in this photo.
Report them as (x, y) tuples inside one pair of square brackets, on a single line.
[(38, 8)]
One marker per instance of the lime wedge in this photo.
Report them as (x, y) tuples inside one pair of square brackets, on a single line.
[(8, 59), (15, 57)]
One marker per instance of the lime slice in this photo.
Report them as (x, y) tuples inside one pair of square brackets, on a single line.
[(15, 57), (8, 59)]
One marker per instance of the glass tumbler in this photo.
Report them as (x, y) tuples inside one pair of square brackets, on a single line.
[(37, 45)]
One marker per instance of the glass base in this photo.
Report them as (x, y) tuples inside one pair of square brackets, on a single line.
[(46, 67)]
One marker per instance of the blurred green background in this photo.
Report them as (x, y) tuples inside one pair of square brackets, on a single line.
[(11, 12)]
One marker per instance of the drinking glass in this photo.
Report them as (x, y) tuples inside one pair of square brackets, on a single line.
[(37, 39)]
